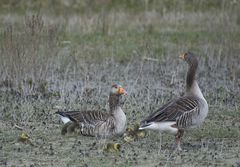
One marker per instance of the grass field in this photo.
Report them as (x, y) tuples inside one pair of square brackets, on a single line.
[(69, 53)]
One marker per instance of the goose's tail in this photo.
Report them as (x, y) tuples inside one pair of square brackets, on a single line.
[(64, 117)]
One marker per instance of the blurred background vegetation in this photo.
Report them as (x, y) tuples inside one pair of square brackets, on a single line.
[(63, 7), (33, 32)]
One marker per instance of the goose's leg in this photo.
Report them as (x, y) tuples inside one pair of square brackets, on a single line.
[(178, 138), (160, 143)]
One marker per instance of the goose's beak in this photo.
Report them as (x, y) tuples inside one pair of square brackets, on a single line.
[(182, 56), (122, 91)]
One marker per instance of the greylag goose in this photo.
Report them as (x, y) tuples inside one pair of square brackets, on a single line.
[(184, 112), (97, 123)]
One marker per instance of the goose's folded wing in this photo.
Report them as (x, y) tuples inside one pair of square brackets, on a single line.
[(91, 123), (86, 117), (180, 110)]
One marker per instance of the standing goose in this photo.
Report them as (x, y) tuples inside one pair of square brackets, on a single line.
[(184, 112), (97, 123)]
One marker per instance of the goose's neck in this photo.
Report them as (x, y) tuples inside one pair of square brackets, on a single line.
[(114, 102), (191, 74), (115, 107), (194, 90), (117, 113), (192, 87)]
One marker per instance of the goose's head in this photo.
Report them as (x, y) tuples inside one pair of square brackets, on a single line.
[(118, 90), (190, 58)]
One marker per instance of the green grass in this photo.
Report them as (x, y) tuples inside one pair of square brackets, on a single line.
[(99, 46)]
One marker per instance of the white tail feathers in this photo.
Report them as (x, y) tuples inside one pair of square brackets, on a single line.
[(65, 119), (161, 126)]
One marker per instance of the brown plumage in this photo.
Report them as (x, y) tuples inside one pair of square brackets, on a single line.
[(178, 110), (184, 112), (97, 123)]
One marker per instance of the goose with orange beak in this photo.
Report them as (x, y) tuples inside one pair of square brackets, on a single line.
[(97, 123), (181, 113)]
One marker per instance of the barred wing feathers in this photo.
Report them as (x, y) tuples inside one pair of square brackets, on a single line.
[(90, 122), (180, 110)]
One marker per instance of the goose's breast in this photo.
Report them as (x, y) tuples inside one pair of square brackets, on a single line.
[(203, 112), (120, 121)]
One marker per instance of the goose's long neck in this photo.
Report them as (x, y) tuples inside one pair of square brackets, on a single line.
[(114, 102), (192, 87), (191, 74), (117, 113)]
